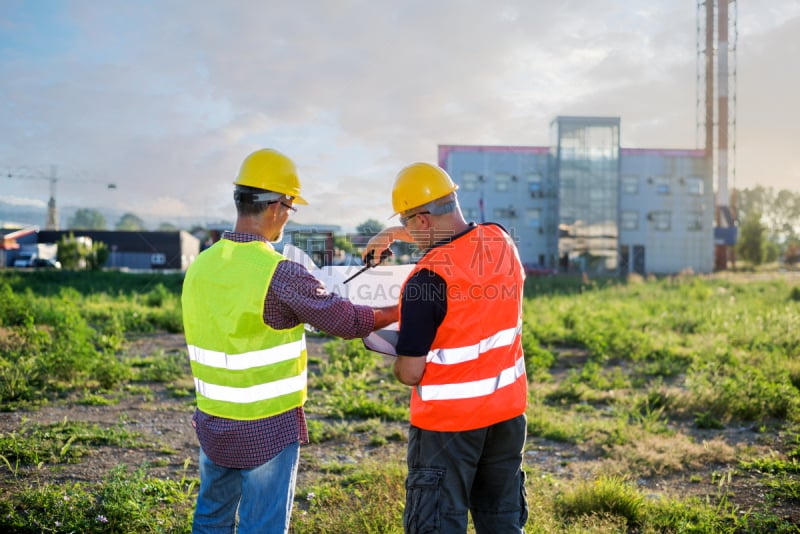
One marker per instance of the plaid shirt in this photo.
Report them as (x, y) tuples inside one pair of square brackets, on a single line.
[(294, 297)]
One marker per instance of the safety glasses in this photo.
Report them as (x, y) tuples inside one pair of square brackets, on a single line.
[(405, 218), (284, 204)]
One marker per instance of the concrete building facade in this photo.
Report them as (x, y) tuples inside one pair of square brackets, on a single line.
[(584, 204)]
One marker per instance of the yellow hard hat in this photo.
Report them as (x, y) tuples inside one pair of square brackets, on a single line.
[(270, 170), (418, 184)]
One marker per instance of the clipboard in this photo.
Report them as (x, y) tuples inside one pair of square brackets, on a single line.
[(383, 341), (377, 287)]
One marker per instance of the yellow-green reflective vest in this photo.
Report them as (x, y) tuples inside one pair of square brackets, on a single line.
[(243, 369)]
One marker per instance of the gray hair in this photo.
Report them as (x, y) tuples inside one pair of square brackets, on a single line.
[(440, 206)]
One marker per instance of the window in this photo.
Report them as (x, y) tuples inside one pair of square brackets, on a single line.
[(567, 182), (629, 220), (694, 221), (630, 185), (470, 213), (660, 220), (695, 187), (502, 182), (662, 185), (535, 184), (470, 181), (504, 213), (533, 217)]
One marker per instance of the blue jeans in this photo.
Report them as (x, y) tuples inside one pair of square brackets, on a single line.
[(263, 495)]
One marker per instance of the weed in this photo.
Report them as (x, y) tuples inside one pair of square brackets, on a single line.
[(123, 502), (605, 495), (161, 367), (93, 399), (794, 294), (773, 465), (156, 297), (707, 421), (368, 499), (61, 442)]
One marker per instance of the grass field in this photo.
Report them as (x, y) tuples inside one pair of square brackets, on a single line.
[(655, 405)]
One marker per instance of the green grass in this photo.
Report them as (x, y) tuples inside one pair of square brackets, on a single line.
[(68, 441), (630, 382), (122, 503)]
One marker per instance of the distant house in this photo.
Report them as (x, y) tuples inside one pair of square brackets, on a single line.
[(315, 240), (11, 242), (139, 250)]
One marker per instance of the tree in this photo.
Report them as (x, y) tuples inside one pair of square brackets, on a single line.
[(780, 210), (369, 227), (792, 254), (98, 256), (130, 223), (341, 242), (87, 219), (69, 252), (751, 244), (78, 254), (167, 227)]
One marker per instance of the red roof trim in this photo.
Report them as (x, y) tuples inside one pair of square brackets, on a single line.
[(10, 240)]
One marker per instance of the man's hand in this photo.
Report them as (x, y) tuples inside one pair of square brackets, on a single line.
[(381, 241)]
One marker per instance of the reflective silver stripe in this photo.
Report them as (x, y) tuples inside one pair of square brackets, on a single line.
[(246, 360), (452, 356), (478, 388), (253, 393)]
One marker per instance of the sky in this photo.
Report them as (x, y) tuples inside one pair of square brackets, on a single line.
[(165, 98)]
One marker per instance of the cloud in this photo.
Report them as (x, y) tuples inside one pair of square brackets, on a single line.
[(166, 100), (17, 201)]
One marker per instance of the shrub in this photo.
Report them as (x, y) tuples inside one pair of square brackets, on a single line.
[(606, 495), (537, 358)]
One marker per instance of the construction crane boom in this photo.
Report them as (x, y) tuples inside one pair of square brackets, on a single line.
[(53, 178)]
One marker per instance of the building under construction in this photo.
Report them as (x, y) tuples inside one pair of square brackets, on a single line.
[(583, 203)]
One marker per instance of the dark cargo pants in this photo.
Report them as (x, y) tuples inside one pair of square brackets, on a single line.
[(479, 470)]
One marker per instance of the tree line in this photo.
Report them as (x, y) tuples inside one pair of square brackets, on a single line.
[(92, 219), (769, 225)]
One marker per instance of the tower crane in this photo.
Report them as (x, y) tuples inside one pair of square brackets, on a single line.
[(52, 212)]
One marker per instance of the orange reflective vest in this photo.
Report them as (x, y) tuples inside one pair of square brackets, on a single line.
[(475, 371)]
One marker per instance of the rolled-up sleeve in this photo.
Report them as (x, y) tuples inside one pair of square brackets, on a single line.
[(296, 296)]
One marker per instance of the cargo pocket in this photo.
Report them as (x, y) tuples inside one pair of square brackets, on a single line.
[(423, 486)]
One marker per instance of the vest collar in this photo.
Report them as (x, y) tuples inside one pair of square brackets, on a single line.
[(452, 238), (245, 237)]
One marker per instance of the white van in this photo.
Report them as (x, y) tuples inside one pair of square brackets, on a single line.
[(25, 259)]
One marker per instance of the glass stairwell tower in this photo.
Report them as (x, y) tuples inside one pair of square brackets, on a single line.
[(586, 157)]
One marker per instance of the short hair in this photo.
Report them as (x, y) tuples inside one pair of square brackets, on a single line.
[(442, 205), (252, 200)]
